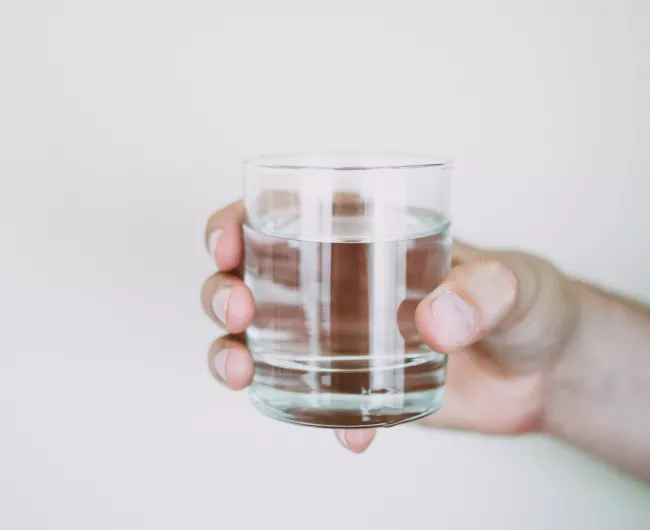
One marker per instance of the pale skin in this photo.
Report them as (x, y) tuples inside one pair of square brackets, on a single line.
[(530, 350)]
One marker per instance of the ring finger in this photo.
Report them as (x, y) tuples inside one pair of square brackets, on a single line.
[(227, 301)]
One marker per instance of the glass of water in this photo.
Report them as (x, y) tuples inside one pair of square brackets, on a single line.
[(339, 251)]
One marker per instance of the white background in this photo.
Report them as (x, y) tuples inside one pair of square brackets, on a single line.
[(122, 126)]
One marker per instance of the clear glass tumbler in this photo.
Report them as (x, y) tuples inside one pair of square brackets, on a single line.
[(339, 252)]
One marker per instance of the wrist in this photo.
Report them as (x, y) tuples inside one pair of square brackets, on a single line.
[(565, 373), (598, 391)]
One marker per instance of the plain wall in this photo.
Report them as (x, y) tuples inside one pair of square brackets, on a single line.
[(122, 127)]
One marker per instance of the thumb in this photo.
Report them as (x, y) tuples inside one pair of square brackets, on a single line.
[(524, 308), (469, 304)]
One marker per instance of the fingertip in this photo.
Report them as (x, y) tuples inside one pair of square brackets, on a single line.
[(223, 236), (240, 309), (231, 363), (213, 241), (471, 303), (228, 247), (357, 440), (452, 319), (429, 329), (239, 369)]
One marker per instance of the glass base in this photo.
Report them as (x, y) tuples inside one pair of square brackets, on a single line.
[(344, 411)]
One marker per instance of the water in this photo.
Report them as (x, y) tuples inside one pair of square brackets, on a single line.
[(334, 337)]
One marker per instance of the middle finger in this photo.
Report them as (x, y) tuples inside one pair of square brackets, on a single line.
[(228, 301)]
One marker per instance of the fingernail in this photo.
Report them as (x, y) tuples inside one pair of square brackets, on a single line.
[(220, 303), (212, 242), (454, 319), (340, 436), (220, 360)]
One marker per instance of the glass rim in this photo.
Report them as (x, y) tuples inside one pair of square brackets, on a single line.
[(337, 161)]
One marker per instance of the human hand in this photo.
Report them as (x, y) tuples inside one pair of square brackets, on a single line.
[(503, 318)]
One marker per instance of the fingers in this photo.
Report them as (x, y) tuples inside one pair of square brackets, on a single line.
[(231, 363), (228, 301), (467, 306), (357, 440), (223, 236)]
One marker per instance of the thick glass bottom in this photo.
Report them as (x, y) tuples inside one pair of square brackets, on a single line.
[(345, 411)]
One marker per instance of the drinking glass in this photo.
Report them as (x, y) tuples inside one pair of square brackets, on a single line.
[(340, 250)]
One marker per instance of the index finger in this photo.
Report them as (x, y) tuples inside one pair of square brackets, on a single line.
[(224, 237)]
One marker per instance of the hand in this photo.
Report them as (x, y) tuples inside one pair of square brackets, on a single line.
[(503, 318)]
